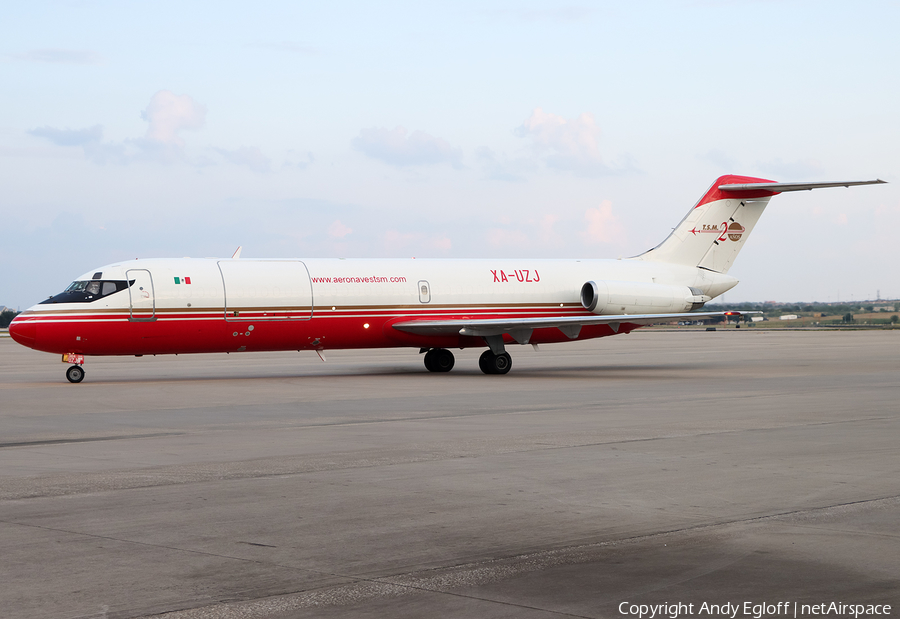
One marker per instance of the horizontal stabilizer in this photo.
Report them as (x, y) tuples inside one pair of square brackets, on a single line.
[(781, 187)]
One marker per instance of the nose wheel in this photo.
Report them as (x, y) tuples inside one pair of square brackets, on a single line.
[(495, 364), (439, 360), (75, 374)]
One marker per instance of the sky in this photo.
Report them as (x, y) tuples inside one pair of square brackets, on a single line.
[(445, 130)]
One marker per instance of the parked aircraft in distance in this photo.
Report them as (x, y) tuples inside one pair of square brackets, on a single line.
[(176, 306)]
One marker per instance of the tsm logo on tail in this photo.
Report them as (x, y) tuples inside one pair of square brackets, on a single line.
[(725, 231), (735, 230)]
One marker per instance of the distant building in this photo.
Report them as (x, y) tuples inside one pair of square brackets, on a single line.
[(789, 317)]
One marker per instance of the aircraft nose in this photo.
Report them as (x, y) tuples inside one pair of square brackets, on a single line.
[(23, 331)]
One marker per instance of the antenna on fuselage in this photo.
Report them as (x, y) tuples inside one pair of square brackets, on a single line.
[(237, 252)]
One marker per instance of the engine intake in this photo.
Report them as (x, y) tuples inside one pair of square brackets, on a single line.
[(590, 295)]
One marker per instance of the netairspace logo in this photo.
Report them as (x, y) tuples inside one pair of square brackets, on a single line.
[(751, 609)]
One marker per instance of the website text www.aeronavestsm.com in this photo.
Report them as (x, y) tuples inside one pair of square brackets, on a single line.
[(756, 610), (371, 279)]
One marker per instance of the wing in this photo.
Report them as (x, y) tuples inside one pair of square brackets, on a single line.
[(520, 329)]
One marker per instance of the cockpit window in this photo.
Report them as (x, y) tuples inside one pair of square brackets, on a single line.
[(77, 286), (87, 291)]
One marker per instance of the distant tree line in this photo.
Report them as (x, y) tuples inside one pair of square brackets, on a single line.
[(833, 312), (6, 317), (831, 309)]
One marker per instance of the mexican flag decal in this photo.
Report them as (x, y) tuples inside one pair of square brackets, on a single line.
[(183, 280)]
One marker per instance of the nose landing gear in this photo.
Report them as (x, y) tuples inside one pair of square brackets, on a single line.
[(75, 374)]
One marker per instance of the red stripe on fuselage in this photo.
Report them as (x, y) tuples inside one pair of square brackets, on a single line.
[(207, 332)]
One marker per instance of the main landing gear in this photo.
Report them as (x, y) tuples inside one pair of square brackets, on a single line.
[(75, 374), (439, 360), (494, 364)]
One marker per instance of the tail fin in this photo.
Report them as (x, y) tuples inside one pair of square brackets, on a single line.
[(716, 228)]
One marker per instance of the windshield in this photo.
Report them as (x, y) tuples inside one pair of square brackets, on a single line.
[(77, 286), (86, 291)]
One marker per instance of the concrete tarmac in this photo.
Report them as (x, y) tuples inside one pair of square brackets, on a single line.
[(727, 467)]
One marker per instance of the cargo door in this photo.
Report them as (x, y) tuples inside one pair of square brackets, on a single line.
[(266, 290)]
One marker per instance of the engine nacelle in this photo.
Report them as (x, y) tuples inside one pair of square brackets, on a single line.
[(609, 297)]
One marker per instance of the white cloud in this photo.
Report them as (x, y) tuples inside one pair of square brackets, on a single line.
[(249, 156), (338, 230), (60, 56), (602, 225), (169, 114), (69, 137), (301, 164), (442, 243), (397, 147), (90, 139), (502, 168), (567, 144)]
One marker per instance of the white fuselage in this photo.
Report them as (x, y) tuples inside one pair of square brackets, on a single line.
[(212, 305)]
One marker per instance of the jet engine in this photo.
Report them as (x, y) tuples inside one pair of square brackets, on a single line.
[(612, 297)]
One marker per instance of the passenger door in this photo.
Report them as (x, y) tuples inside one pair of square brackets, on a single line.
[(142, 298)]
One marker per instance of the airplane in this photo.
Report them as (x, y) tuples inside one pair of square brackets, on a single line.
[(177, 306)]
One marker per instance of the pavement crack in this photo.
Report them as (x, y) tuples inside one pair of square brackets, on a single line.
[(167, 547), (86, 439)]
